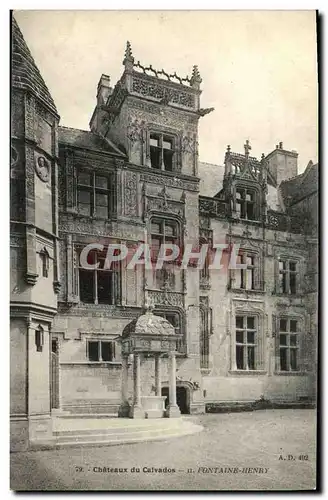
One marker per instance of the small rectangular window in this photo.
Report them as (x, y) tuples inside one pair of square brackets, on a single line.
[(101, 350)]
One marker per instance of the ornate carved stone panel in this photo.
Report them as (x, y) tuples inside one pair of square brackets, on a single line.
[(166, 298), (131, 194)]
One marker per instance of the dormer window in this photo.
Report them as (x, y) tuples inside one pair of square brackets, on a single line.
[(246, 203), (161, 152)]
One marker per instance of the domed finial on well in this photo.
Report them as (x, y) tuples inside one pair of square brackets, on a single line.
[(128, 57), (195, 80)]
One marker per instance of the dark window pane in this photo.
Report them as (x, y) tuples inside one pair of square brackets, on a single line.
[(238, 208), (282, 283), (293, 325), (293, 359), (239, 321), (101, 182), (168, 160), (106, 351), (283, 339), (84, 178), (93, 350), (250, 215), (240, 194), (104, 287), (292, 266), (250, 323), (239, 337), (292, 283), (84, 196), (155, 157), (86, 279), (251, 358), (54, 346), (251, 337), (293, 340), (283, 360), (240, 357), (283, 325)]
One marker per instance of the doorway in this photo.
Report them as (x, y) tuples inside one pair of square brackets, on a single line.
[(182, 399)]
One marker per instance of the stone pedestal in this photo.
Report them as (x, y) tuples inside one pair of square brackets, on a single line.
[(172, 411), (153, 406)]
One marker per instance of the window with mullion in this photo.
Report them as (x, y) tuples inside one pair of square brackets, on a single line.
[(245, 203), (161, 151), (101, 350), (163, 231), (246, 342), (288, 342), (245, 278), (100, 285), (288, 271), (93, 194)]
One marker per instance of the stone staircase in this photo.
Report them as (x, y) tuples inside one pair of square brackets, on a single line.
[(90, 431)]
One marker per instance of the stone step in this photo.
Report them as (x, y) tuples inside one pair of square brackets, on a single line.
[(128, 438), (116, 431), (86, 415)]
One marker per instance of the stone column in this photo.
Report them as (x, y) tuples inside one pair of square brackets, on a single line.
[(158, 382), (173, 409), (124, 407), (136, 410)]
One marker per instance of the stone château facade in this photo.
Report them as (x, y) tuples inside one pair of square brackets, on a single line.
[(245, 335)]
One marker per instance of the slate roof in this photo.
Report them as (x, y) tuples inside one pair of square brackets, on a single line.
[(148, 324), (211, 178), (87, 140), (301, 186), (24, 72)]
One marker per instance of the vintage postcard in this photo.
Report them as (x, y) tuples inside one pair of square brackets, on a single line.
[(164, 250)]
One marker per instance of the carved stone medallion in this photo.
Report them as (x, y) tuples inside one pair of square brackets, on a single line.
[(42, 168)]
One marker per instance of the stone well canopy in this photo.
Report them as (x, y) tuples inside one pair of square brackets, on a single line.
[(149, 333)]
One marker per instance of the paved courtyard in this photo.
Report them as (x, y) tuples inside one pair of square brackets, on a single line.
[(269, 449)]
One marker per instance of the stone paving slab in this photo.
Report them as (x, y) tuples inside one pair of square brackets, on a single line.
[(236, 451)]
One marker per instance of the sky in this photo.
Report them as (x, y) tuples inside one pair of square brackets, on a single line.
[(259, 69)]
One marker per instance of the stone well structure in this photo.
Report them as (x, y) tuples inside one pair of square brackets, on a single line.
[(148, 335)]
